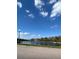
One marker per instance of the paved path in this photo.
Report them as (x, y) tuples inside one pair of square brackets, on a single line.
[(26, 52)]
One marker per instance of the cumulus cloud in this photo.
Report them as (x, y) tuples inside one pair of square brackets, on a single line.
[(38, 3), (27, 11), (28, 35), (19, 4), (24, 33), (31, 15), (44, 14), (52, 1), (56, 9)]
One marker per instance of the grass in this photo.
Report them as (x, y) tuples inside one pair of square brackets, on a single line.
[(41, 45)]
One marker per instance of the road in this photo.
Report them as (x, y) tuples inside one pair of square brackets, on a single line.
[(29, 52)]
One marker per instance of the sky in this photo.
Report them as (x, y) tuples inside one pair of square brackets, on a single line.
[(38, 18)]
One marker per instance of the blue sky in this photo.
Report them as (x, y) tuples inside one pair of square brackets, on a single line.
[(38, 18)]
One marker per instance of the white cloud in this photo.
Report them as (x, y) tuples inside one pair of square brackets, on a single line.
[(27, 11), (52, 1), (19, 4), (53, 14), (44, 14), (56, 9), (31, 15), (24, 33), (38, 3), (28, 35)]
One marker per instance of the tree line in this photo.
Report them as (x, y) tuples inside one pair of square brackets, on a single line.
[(48, 39)]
